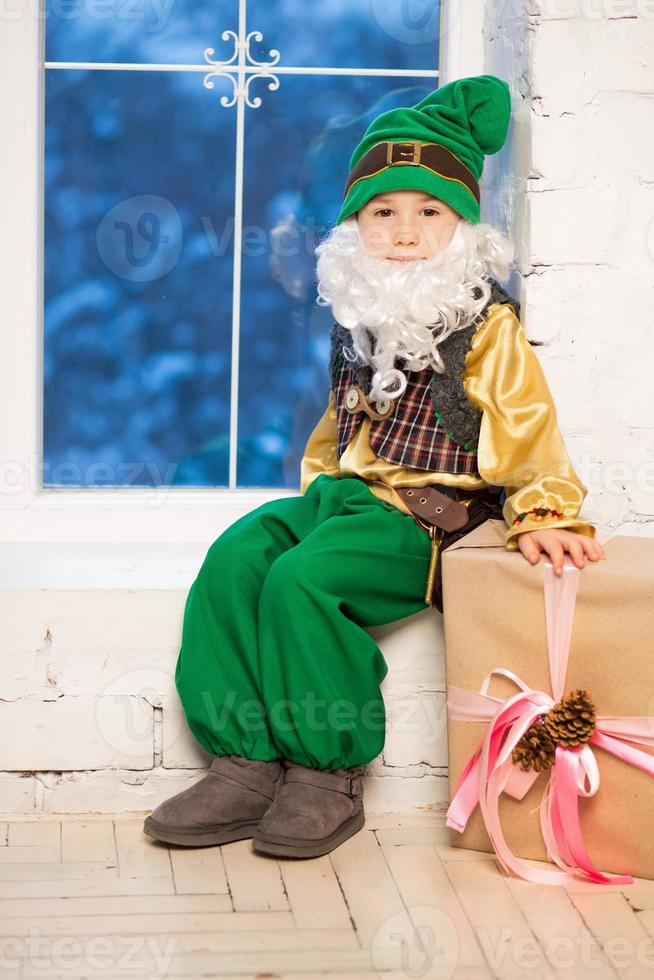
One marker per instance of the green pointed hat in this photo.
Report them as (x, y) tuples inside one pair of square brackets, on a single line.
[(437, 146)]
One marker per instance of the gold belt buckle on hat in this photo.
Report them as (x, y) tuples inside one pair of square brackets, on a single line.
[(409, 151), (357, 401)]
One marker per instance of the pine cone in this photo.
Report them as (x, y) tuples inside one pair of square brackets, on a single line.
[(535, 750), (571, 721)]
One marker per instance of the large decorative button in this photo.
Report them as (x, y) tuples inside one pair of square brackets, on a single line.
[(352, 399), (383, 406)]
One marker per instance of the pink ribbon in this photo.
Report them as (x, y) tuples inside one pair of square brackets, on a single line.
[(490, 771)]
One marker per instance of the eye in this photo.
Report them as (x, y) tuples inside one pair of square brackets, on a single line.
[(388, 210), (433, 210)]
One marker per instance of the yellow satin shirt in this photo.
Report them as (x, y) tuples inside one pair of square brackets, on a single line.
[(520, 447)]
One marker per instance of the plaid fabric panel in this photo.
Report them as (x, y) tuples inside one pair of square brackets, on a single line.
[(412, 436)]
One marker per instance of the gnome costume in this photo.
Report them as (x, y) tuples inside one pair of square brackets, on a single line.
[(277, 674)]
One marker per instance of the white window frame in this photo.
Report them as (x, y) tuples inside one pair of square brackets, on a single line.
[(29, 511)]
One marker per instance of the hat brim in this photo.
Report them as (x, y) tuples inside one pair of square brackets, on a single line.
[(415, 177)]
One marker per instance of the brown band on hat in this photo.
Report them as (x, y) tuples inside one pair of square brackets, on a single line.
[(433, 156)]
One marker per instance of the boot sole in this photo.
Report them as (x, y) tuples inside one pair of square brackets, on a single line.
[(222, 835), (281, 848)]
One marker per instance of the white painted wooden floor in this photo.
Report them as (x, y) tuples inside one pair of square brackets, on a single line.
[(95, 897)]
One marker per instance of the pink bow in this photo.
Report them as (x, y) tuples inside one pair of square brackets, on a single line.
[(490, 770)]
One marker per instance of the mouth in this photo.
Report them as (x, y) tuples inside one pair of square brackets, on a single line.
[(403, 258)]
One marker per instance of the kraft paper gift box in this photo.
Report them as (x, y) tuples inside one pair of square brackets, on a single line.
[(494, 616)]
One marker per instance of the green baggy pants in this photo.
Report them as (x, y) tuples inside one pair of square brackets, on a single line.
[(275, 661)]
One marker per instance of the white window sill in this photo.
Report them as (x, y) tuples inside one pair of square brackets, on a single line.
[(120, 566)]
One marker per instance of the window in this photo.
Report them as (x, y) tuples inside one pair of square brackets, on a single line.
[(170, 200)]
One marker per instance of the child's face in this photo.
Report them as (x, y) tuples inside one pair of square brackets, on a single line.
[(406, 225)]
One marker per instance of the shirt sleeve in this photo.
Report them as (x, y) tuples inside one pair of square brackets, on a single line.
[(520, 445), (320, 450)]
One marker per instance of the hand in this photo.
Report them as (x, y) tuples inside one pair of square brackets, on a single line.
[(555, 541)]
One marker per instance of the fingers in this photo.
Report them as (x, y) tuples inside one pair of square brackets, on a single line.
[(530, 550), (582, 547), (593, 548), (576, 550), (579, 546), (555, 552), (556, 543)]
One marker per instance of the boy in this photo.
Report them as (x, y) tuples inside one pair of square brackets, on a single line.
[(434, 391)]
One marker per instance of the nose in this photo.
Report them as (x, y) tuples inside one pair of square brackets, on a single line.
[(405, 235)]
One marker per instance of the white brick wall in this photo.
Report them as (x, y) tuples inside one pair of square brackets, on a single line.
[(576, 193), (91, 721)]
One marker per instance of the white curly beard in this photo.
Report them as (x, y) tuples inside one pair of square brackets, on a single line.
[(408, 307)]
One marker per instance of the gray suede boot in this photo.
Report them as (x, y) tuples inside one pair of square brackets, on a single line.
[(314, 811), (224, 806)]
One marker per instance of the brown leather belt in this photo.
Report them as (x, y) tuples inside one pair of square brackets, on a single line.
[(439, 507), (445, 517)]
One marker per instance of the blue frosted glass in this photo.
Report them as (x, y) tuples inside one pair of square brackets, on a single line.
[(335, 33), (141, 31), (139, 202), (297, 148), (347, 33)]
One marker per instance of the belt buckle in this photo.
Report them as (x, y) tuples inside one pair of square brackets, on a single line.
[(414, 152), (425, 525)]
